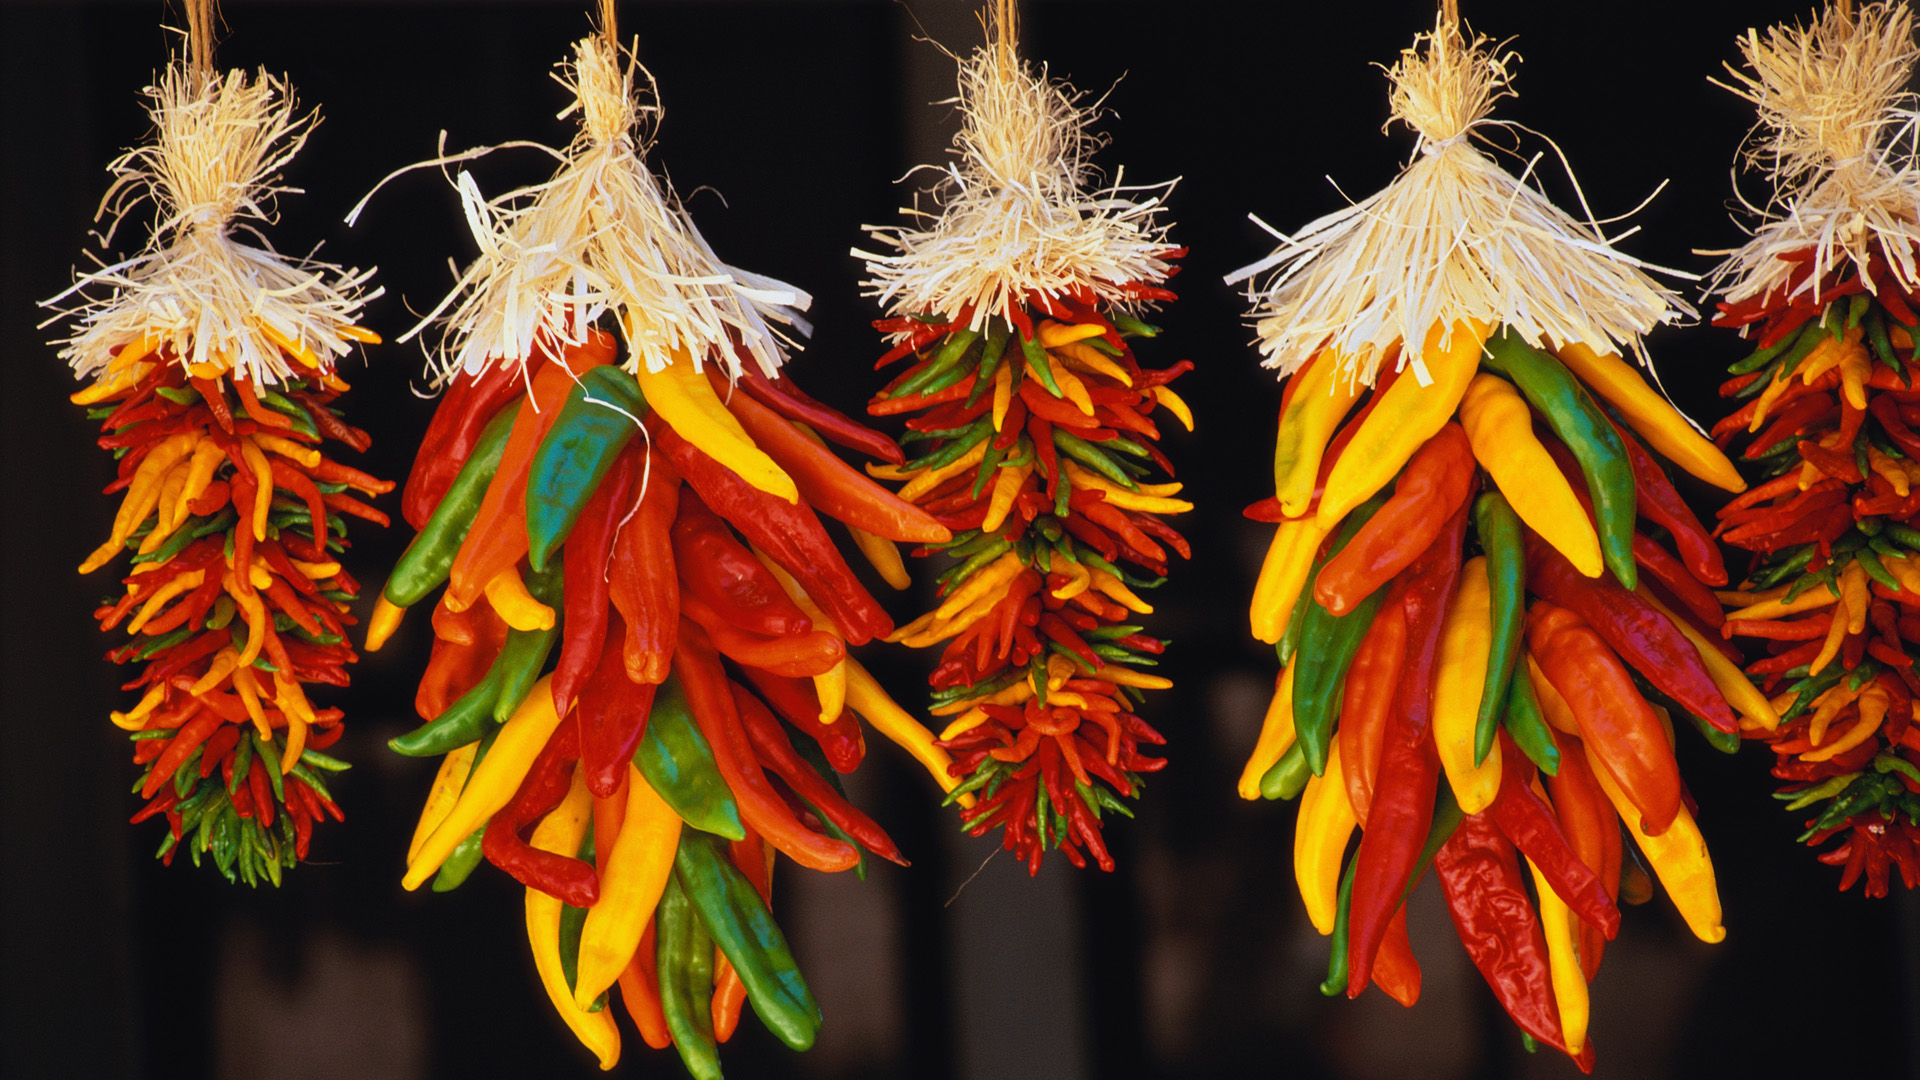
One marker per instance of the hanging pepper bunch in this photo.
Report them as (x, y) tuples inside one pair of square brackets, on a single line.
[(652, 531), (213, 379), (1834, 587), (1480, 574), (1035, 439)]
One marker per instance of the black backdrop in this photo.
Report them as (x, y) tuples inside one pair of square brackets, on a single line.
[(795, 119)]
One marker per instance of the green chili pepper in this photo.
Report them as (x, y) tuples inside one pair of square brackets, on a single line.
[(1042, 367), (1529, 729), (957, 446), (948, 359), (1906, 535), (1579, 423), (678, 762), (427, 561), (1499, 529), (525, 651), (594, 425), (1757, 386), (732, 912), (678, 955), (1286, 778), (1727, 742), (1446, 818), (175, 544), (1336, 983), (1882, 344), (1092, 457), (1762, 357), (1870, 562), (1132, 327), (1320, 673), (468, 719), (964, 570)]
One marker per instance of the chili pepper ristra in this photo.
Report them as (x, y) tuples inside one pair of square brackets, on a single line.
[(1034, 434), (213, 367), (1465, 582), (640, 686), (1827, 290)]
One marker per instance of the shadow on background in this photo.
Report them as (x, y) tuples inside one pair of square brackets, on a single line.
[(793, 120)]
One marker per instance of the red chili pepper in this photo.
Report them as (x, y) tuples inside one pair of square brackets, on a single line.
[(1491, 911), (774, 749), (1641, 635), (1432, 487), (1397, 824), (1527, 821), (1429, 584), (828, 484), (794, 699), (790, 534), (1659, 503), (612, 714), (643, 585), (469, 402), (813, 652), (1661, 566), (711, 698), (179, 748), (783, 396), (568, 879), (724, 575), (1615, 720), (1367, 701), (584, 586)]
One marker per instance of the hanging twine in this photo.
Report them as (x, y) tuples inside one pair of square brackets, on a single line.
[(200, 21)]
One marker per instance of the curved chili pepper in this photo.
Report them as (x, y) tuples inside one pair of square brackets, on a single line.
[(525, 652), (1434, 484), (796, 702), (1580, 424), (679, 765), (497, 536), (733, 913), (642, 583), (783, 396), (684, 952), (1592, 829), (1430, 584), (584, 592), (612, 717), (1367, 701), (428, 559), (1658, 502), (545, 785), (772, 746), (1527, 821)]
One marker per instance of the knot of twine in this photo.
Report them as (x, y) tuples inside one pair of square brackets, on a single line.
[(604, 89), (1443, 85)]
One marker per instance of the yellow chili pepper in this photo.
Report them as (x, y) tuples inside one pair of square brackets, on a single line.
[(296, 349), (1499, 426), (383, 622), (1276, 735), (1408, 414), (1320, 400), (493, 781), (985, 581), (263, 486), (247, 685), (1853, 590), (866, 698), (1070, 386), (206, 461), (1181, 412), (287, 448), (1650, 414), (441, 797), (1826, 707), (1828, 355), (883, 556), (170, 487), (1055, 334), (685, 400), (1118, 496), (1679, 857), (1128, 677), (143, 494), (1466, 639), (135, 719), (1079, 580), (926, 480), (1733, 684), (188, 581), (1836, 635), (315, 571), (1766, 610), (632, 878), (515, 605), (222, 666), (1319, 839), (1006, 488), (1283, 575), (1563, 961), (1873, 709), (561, 833), (1116, 590), (1093, 360), (255, 612), (1002, 394), (1887, 467)]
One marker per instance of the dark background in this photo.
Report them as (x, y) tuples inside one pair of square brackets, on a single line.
[(794, 120)]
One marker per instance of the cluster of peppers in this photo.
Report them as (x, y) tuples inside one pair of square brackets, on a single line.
[(701, 702), (1406, 660), (1834, 589), (1037, 439), (236, 599)]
